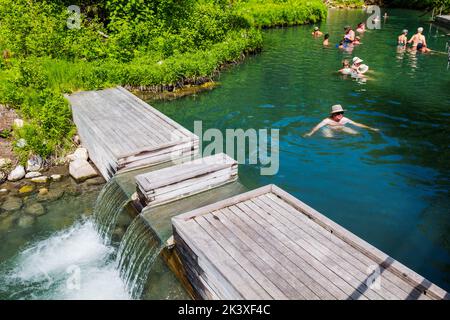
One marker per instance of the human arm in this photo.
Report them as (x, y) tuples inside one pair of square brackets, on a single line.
[(317, 127), (360, 125)]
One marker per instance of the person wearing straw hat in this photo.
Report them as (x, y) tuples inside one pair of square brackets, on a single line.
[(317, 32), (337, 121)]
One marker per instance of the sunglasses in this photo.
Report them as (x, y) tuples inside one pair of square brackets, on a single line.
[(337, 113)]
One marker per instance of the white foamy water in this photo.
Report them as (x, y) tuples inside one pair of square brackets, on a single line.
[(71, 264)]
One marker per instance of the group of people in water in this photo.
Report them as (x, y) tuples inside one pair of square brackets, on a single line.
[(417, 41), (336, 120)]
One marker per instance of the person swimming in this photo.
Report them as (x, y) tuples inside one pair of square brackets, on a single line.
[(357, 40), (317, 32), (337, 121), (361, 28), (402, 39), (326, 40), (346, 69)]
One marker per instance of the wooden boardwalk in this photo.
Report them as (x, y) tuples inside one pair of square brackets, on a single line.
[(266, 244), (122, 132)]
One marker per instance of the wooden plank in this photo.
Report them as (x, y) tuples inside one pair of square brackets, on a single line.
[(326, 278), (248, 237), (222, 267), (222, 204), (174, 174), (291, 259), (350, 253), (330, 244), (328, 258), (239, 253)]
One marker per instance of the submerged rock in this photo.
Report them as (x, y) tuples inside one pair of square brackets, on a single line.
[(35, 209), (95, 181), (51, 195), (81, 170), (43, 191), (3, 191), (26, 221), (12, 204), (17, 174), (26, 189), (73, 191)]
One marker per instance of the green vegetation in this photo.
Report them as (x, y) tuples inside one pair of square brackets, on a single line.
[(428, 5), (348, 3), (167, 43)]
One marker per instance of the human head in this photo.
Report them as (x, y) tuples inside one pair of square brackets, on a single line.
[(345, 63), (360, 24), (316, 28), (337, 112), (326, 36), (420, 30), (405, 31), (419, 46), (357, 60), (358, 38)]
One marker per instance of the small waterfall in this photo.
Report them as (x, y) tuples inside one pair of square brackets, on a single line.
[(137, 252), (110, 203)]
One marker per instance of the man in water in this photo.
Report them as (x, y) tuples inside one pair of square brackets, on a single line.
[(337, 121), (418, 38), (402, 39), (317, 32)]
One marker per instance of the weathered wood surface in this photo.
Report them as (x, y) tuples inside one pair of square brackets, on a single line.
[(122, 132), (266, 244), (186, 179)]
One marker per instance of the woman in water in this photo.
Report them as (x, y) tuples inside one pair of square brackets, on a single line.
[(337, 121), (317, 32), (361, 28), (402, 39), (346, 69), (325, 40)]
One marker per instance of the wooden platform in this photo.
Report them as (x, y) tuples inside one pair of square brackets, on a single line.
[(443, 20), (122, 132), (186, 179), (266, 244)]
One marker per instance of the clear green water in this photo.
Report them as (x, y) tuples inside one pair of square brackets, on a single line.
[(390, 188)]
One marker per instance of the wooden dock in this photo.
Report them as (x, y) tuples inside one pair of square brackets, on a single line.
[(266, 244), (186, 179), (122, 132), (443, 20)]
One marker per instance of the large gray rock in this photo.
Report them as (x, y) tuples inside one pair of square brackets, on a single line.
[(79, 154), (17, 174), (34, 163), (12, 203), (35, 209), (81, 170)]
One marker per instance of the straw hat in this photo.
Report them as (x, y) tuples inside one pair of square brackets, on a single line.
[(316, 28), (405, 31), (420, 30), (357, 60), (337, 108)]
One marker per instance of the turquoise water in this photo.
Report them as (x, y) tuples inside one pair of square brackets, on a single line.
[(391, 188)]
